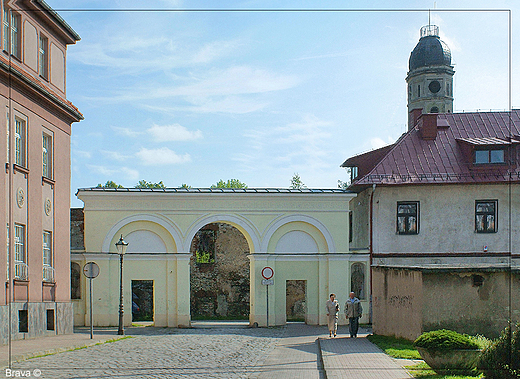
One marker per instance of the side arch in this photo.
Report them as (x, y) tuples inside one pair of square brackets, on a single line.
[(172, 240), (242, 224), (314, 228)]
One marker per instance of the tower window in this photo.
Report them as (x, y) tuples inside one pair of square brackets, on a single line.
[(434, 86), (434, 110), (419, 90)]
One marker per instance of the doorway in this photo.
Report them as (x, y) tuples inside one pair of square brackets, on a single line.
[(296, 300), (142, 301)]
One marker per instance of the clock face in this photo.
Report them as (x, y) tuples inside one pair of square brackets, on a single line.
[(434, 86)]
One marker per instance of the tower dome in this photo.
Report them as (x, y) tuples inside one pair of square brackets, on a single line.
[(430, 50), (430, 76)]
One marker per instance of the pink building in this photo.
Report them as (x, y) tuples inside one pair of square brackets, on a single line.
[(35, 186)]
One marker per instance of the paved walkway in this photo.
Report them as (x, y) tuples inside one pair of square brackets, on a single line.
[(231, 351)]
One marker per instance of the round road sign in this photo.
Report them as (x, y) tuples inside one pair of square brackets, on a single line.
[(267, 272), (91, 270)]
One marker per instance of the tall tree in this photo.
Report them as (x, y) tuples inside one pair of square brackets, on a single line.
[(231, 183), (296, 182)]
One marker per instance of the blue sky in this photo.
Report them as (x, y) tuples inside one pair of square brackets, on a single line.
[(194, 97)]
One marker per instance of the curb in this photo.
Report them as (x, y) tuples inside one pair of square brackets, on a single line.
[(321, 364)]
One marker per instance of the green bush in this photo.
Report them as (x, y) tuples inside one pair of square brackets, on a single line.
[(501, 359), (445, 340)]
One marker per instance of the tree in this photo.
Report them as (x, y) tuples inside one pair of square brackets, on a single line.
[(231, 183), (296, 182), (109, 184), (145, 184), (183, 185), (343, 185)]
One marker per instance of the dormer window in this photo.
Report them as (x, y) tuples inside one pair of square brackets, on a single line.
[(489, 156), (353, 173)]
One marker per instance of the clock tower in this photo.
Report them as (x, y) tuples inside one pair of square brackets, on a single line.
[(430, 76)]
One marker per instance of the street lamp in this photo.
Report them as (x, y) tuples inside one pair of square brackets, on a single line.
[(121, 246)]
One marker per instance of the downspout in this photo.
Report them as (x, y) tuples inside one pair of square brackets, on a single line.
[(370, 246)]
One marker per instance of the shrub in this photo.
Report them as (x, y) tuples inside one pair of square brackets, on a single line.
[(501, 359), (445, 340)]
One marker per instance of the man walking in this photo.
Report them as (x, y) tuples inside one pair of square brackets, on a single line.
[(353, 311)]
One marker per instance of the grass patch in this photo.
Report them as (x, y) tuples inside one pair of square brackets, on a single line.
[(81, 347), (395, 347), (423, 371)]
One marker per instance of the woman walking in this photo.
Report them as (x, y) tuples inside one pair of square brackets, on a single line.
[(332, 314)]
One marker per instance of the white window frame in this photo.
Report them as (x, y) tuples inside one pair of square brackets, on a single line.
[(15, 28), (20, 253), (47, 257), (5, 29), (43, 56), (20, 141), (47, 155)]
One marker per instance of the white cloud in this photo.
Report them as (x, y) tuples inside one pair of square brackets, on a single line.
[(376, 143), (126, 131), (162, 156), (113, 173), (82, 153), (174, 132), (115, 155)]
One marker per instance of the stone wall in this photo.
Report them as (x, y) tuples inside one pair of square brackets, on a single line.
[(77, 225), (37, 320), (408, 302), (219, 282)]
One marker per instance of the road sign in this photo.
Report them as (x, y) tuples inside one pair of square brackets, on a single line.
[(267, 272), (91, 270), (268, 282)]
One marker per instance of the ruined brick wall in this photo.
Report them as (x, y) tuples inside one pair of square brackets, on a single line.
[(219, 282)]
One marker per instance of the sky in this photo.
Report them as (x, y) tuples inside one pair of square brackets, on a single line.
[(265, 91)]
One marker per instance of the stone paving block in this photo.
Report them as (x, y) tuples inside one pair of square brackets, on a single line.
[(358, 358)]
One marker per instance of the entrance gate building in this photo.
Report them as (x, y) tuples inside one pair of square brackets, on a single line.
[(302, 234)]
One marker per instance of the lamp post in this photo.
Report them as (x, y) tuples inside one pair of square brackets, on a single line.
[(121, 246)]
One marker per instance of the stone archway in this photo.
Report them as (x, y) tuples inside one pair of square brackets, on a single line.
[(219, 273)]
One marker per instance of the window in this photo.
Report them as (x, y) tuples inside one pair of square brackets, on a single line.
[(12, 32), (434, 110), (43, 56), (353, 173), (75, 279), (48, 270), (486, 216), (489, 156), (408, 217), (47, 156), (23, 321), (19, 142), (350, 226), (419, 90), (20, 265), (50, 319), (5, 30), (357, 279)]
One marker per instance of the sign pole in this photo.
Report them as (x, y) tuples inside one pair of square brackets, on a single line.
[(267, 273), (91, 318), (267, 293), (91, 271)]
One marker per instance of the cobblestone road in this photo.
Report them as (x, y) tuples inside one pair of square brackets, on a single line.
[(164, 353)]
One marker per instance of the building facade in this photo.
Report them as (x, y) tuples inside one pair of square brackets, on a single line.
[(35, 149), (438, 212), (301, 234)]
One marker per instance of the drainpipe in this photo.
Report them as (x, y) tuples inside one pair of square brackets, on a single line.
[(370, 246)]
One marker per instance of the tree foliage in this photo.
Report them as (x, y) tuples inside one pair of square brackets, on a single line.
[(296, 182), (231, 183), (145, 184), (109, 184), (184, 185)]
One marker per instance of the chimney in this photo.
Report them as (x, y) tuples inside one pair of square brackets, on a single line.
[(430, 123), (413, 116)]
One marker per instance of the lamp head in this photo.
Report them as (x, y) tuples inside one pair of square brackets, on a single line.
[(121, 246)]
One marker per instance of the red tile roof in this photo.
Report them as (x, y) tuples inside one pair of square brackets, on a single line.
[(415, 159)]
